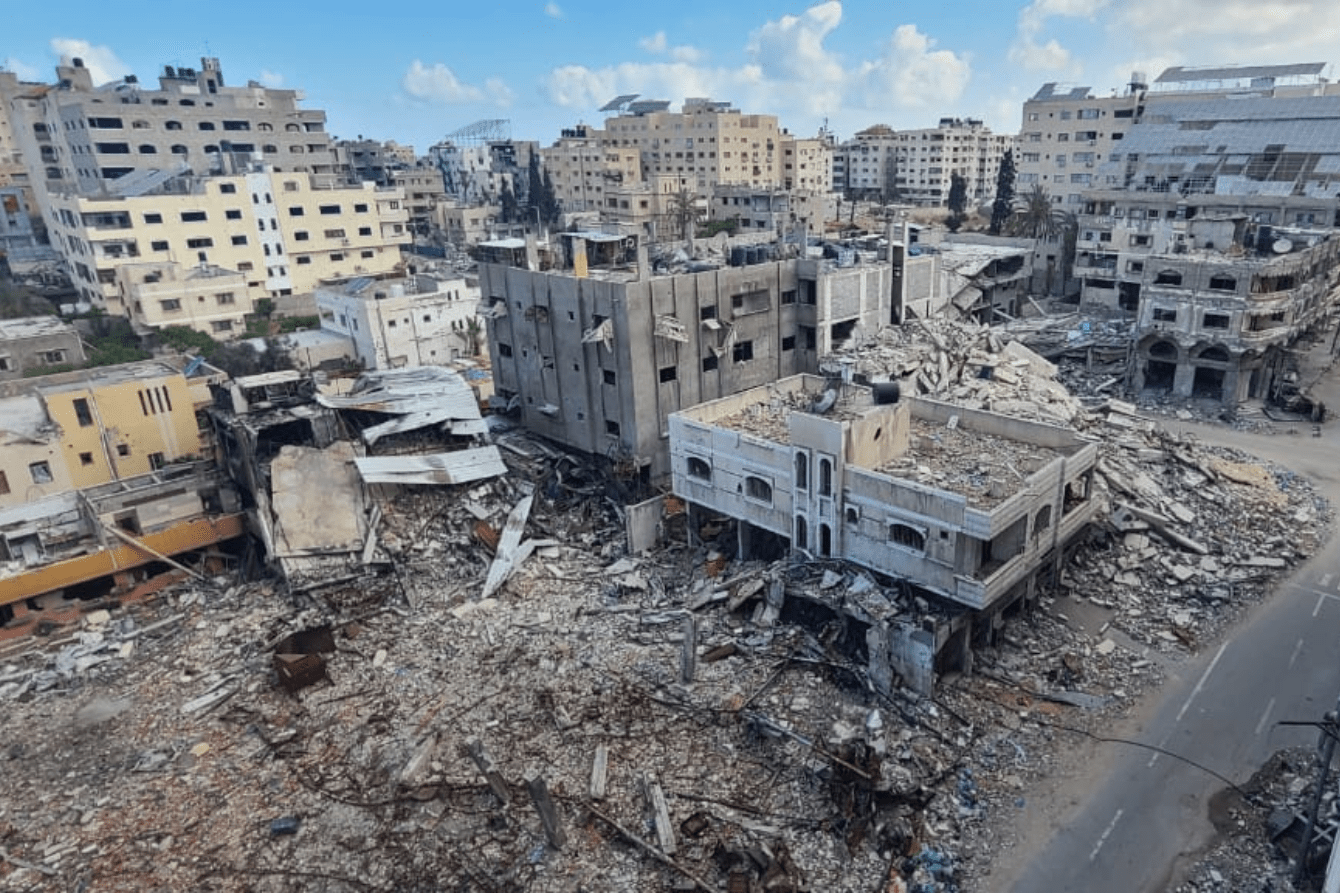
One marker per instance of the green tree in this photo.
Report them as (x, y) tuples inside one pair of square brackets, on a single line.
[(1035, 216), (684, 213), (958, 201), (551, 211), (509, 210), (1003, 206)]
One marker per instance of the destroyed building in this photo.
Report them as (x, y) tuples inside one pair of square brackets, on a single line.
[(598, 358), (1213, 226), (35, 342), (968, 505)]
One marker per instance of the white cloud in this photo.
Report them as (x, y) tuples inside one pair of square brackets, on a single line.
[(915, 74), (553, 11), (788, 68), (101, 62), (1224, 31), (655, 44), (1029, 52), (271, 78), (24, 71), (438, 83)]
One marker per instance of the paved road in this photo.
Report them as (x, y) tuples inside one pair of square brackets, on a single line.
[(1127, 832)]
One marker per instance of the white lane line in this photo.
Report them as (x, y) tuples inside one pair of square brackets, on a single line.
[(1155, 758), (1321, 600), (1297, 649), (1201, 684), (1264, 716), (1102, 838), (1326, 580), (1310, 591)]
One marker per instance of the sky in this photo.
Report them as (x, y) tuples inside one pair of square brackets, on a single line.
[(416, 71)]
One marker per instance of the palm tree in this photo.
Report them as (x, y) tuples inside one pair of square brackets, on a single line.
[(1035, 216), (685, 213)]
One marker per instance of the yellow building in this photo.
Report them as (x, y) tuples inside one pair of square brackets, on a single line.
[(79, 429), (284, 232)]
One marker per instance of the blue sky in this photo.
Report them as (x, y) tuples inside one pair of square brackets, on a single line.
[(415, 71)]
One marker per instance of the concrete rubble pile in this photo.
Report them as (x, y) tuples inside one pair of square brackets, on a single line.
[(1259, 829), (972, 365)]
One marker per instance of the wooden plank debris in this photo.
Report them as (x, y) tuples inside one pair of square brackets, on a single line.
[(486, 767), (544, 805), (688, 656), (599, 771)]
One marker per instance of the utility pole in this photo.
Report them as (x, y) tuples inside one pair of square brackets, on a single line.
[(1329, 732)]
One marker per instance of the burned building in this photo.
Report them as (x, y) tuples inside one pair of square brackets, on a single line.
[(597, 356), (967, 505)]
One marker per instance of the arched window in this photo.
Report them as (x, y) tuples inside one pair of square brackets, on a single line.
[(1215, 354), (264, 125), (296, 150), (699, 468), (757, 488), (148, 149), (802, 471), (292, 128), (178, 149), (172, 125), (802, 534), (1042, 520), (1168, 277), (186, 102), (825, 477), (206, 125), (269, 149), (910, 537), (211, 149)]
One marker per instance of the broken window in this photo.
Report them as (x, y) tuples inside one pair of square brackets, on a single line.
[(85, 458), (1165, 314), (710, 363), (609, 377), (669, 373), (825, 477), (1215, 321), (789, 343), (82, 412), (41, 472), (802, 476), (1042, 520), (4, 484), (1168, 277), (612, 427), (1223, 283), (742, 352), (699, 468), (757, 488), (909, 537)]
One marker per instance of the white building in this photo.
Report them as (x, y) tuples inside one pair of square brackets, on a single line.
[(416, 321), (927, 160)]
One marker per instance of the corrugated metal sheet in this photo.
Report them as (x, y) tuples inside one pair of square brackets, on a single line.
[(458, 467)]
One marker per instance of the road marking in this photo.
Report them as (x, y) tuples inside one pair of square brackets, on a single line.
[(1264, 716), (1297, 649), (1321, 600), (1102, 838), (1201, 684), (1310, 591), (1155, 758), (1326, 580)]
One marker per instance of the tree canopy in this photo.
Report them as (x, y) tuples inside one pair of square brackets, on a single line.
[(1003, 206), (957, 202)]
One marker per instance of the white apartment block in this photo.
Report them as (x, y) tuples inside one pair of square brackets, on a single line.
[(865, 165), (584, 169), (705, 144), (283, 231), (475, 173), (416, 321), (927, 160)]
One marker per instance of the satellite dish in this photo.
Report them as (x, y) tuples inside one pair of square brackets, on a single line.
[(1282, 246)]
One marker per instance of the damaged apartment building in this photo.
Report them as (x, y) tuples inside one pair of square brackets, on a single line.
[(597, 355), (965, 505), (1214, 227)]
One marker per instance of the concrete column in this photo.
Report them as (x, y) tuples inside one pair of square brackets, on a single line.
[(1184, 379)]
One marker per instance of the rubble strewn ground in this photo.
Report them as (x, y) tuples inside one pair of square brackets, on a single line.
[(153, 748)]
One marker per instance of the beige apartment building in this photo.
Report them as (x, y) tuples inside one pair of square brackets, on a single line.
[(584, 170), (807, 164), (283, 232), (423, 192), (865, 165), (705, 144)]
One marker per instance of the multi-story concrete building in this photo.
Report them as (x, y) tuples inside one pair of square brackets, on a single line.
[(926, 160), (807, 164), (1067, 133), (775, 211), (423, 190), (583, 168), (704, 144), (360, 160), (415, 321), (1214, 228), (866, 165), (465, 225), (78, 137), (599, 361), (36, 342), (966, 504), (285, 232), (79, 429), (477, 172)]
